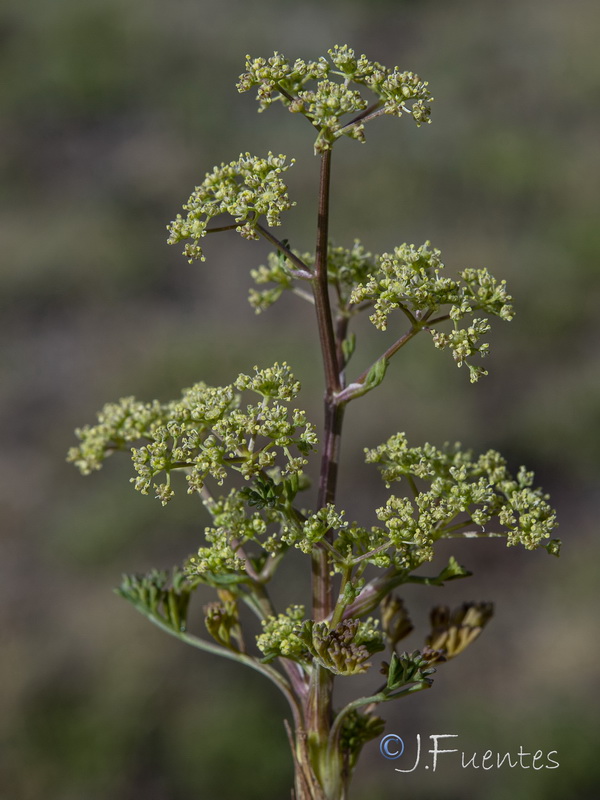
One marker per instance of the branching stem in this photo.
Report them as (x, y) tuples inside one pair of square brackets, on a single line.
[(302, 271), (320, 286), (242, 658), (363, 115), (222, 228), (350, 392), (373, 700)]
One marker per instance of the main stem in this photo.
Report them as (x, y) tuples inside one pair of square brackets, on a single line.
[(319, 700), (322, 595)]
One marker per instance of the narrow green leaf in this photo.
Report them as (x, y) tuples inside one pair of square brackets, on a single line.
[(348, 347), (376, 374)]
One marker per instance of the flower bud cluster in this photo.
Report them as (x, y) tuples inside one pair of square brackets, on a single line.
[(480, 490), (464, 343), (222, 621), (452, 632), (371, 544), (357, 730), (395, 620), (275, 271), (219, 563), (345, 648), (306, 535), (410, 279), (205, 433), (246, 189), (276, 382), (410, 668), (234, 525), (119, 424), (409, 533), (277, 74), (325, 105), (394, 87), (154, 595), (280, 636), (346, 267)]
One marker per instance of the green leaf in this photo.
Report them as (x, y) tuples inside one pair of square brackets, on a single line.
[(376, 374), (453, 571), (395, 673), (408, 668), (348, 346), (222, 579), (151, 595)]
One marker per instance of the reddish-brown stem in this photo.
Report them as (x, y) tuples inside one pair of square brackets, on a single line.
[(318, 702), (302, 270), (322, 594), (392, 349), (320, 287), (363, 114), (334, 417), (222, 228)]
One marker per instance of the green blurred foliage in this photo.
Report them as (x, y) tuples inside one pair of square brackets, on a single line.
[(111, 112)]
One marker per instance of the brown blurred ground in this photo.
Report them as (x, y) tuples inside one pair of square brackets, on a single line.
[(110, 112)]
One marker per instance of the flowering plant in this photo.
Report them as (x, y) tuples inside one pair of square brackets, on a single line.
[(249, 437)]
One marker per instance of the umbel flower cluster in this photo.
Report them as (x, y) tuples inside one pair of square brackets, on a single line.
[(208, 437), (409, 280), (246, 189), (205, 433), (327, 104), (245, 448)]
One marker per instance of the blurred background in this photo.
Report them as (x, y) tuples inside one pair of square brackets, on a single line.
[(110, 113)]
